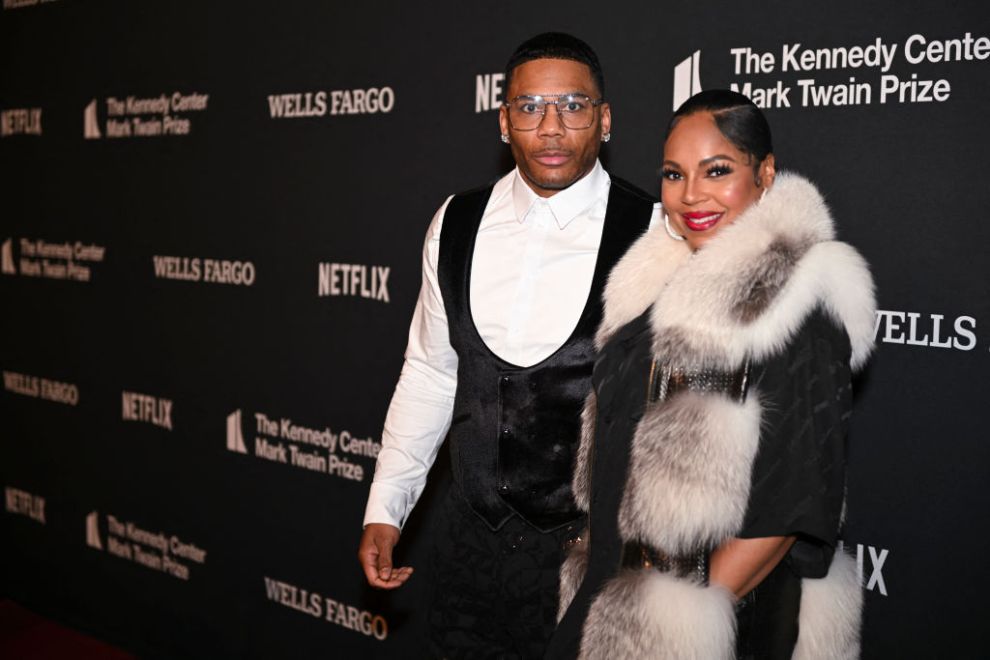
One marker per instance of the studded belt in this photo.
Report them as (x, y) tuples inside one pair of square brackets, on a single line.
[(694, 565), (667, 379)]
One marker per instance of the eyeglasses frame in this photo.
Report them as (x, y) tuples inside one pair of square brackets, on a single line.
[(543, 97)]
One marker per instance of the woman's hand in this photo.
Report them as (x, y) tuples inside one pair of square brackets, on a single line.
[(740, 565)]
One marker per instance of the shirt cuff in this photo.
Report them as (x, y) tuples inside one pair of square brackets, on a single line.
[(386, 504)]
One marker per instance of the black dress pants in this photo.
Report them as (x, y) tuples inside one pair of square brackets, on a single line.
[(494, 593)]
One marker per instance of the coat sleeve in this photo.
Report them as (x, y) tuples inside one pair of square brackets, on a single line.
[(798, 479)]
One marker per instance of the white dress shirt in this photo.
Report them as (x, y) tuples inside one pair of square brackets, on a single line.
[(533, 263)]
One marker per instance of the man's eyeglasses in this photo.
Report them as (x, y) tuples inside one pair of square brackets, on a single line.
[(576, 111)]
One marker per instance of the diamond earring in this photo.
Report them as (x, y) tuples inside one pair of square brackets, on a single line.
[(505, 138)]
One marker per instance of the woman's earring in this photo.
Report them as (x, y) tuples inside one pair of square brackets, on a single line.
[(763, 194), (505, 138), (670, 231), (606, 137)]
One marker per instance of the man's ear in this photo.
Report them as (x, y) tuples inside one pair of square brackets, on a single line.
[(503, 120), (606, 121)]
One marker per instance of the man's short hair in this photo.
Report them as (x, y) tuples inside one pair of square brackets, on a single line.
[(556, 46)]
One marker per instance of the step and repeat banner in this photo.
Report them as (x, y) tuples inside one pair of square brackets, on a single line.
[(211, 222)]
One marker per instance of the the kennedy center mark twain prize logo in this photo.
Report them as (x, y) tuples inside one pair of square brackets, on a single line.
[(7, 258), (281, 440), (799, 74), (687, 83), (167, 114), (157, 551), (93, 530), (91, 122), (67, 260)]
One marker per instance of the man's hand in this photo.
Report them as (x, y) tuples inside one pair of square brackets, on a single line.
[(375, 555)]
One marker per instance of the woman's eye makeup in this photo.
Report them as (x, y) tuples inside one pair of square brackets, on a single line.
[(719, 169), (714, 170)]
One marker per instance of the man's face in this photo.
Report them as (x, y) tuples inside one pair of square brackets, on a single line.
[(551, 157)]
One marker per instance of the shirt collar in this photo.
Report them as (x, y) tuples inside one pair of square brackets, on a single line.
[(565, 205)]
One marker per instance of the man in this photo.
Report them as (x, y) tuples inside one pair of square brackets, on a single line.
[(500, 353)]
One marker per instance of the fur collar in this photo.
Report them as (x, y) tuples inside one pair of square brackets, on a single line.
[(747, 291)]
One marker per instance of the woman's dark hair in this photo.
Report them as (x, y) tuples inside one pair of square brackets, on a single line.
[(556, 46), (737, 117)]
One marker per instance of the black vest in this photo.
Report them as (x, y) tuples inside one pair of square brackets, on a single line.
[(515, 429)]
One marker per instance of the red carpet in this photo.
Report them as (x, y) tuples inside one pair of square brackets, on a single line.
[(26, 636)]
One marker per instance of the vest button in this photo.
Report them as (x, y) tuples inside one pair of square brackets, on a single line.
[(506, 432), (505, 379), (504, 488)]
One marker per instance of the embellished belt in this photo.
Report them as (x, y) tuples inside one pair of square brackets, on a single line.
[(667, 379), (694, 565)]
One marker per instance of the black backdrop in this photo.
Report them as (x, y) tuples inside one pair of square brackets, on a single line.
[(162, 291)]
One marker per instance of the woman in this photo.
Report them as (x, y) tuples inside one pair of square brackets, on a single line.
[(712, 461)]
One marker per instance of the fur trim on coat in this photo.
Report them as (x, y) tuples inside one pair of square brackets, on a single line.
[(743, 296), (831, 609), (648, 614)]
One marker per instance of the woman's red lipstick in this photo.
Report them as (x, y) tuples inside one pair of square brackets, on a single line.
[(701, 220)]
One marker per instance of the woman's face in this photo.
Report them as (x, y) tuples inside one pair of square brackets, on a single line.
[(707, 181)]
